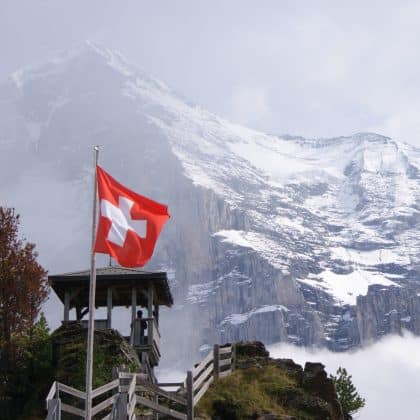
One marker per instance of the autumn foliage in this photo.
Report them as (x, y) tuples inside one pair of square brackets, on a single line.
[(24, 343), (23, 282)]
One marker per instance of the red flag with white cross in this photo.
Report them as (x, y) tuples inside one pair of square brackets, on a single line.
[(129, 223)]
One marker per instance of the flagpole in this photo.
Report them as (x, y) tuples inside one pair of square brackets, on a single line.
[(92, 291)]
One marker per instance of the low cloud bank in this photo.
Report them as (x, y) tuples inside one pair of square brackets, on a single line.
[(386, 374)]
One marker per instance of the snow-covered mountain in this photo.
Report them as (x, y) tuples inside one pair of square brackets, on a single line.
[(313, 241)]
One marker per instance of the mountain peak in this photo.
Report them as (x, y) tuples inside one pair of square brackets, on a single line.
[(268, 229), (368, 136), (86, 56)]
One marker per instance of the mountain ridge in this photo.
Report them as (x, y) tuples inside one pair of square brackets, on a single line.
[(272, 238)]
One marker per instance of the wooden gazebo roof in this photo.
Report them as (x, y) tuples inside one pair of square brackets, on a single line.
[(122, 280)]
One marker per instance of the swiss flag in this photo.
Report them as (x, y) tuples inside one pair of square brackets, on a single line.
[(129, 224)]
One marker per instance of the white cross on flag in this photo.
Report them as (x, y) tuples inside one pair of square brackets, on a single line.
[(129, 224)]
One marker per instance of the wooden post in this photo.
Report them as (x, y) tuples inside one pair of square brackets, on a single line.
[(122, 398), (57, 394), (190, 396), (150, 315), (157, 313), (150, 324), (150, 301), (216, 360), (66, 306), (58, 409), (109, 308), (233, 365), (133, 312), (157, 403)]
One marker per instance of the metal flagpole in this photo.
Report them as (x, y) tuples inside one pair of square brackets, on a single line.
[(92, 290)]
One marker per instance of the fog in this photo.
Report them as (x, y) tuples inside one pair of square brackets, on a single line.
[(308, 68), (386, 374)]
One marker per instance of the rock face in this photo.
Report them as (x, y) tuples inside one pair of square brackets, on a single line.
[(69, 355), (387, 311), (291, 391), (271, 237)]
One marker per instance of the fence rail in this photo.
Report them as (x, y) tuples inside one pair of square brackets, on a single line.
[(217, 364), (55, 405), (129, 391), (132, 400)]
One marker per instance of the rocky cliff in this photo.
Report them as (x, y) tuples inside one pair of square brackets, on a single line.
[(271, 237), (262, 388)]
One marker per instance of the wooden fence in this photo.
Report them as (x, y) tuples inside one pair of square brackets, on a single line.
[(217, 364), (76, 400), (120, 398)]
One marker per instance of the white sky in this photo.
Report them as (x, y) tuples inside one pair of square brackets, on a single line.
[(322, 68), (386, 374)]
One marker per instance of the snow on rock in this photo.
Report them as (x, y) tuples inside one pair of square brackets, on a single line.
[(236, 319), (370, 258), (333, 215), (267, 248), (346, 287)]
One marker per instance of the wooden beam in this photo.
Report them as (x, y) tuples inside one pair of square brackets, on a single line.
[(203, 390), (190, 396), (71, 391), (66, 316), (75, 292), (133, 312), (157, 313), (115, 292), (150, 296), (150, 324), (72, 410), (152, 388), (161, 408), (109, 308), (216, 361)]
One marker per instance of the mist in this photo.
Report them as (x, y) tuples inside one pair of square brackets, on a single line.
[(386, 373), (312, 69)]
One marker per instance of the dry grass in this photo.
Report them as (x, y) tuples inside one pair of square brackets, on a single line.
[(245, 393)]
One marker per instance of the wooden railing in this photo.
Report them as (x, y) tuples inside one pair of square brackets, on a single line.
[(131, 398), (76, 405), (129, 391), (153, 334), (149, 339), (143, 393), (220, 362)]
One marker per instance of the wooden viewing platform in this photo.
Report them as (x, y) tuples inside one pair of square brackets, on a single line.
[(132, 392), (119, 287)]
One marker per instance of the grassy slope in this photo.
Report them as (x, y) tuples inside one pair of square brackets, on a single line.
[(263, 386)]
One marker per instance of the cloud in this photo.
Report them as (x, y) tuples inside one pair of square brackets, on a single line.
[(386, 374), (250, 104), (307, 68)]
